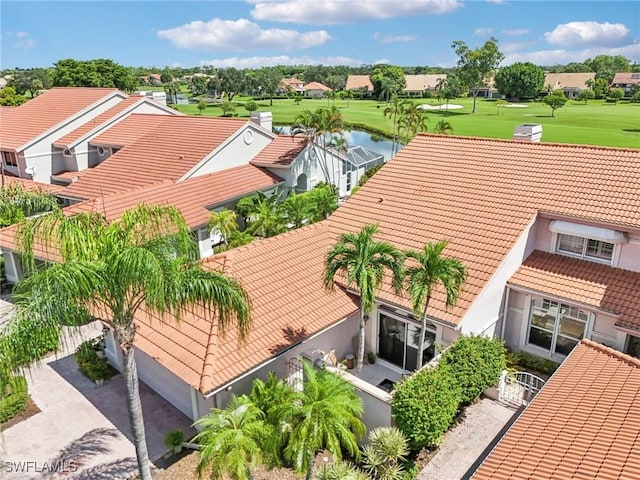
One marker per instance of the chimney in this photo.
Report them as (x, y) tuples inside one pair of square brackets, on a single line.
[(528, 132), (264, 119)]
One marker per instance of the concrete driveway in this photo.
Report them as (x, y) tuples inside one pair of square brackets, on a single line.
[(82, 430)]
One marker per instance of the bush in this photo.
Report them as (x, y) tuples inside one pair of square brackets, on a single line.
[(476, 363), (13, 398), (174, 438), (369, 173), (424, 406), (383, 457), (90, 364), (529, 362)]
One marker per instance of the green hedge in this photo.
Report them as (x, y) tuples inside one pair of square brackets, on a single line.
[(476, 363), (13, 398), (529, 362), (90, 364), (424, 405)]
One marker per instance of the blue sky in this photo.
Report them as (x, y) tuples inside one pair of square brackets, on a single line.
[(253, 33)]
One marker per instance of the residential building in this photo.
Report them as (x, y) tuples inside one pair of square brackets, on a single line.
[(151, 79), (570, 83), (292, 85), (303, 166), (418, 84), (316, 90), (626, 81), (584, 423), (360, 83), (49, 134)]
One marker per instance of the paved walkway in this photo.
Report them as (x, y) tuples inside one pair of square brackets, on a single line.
[(83, 423), (464, 444)]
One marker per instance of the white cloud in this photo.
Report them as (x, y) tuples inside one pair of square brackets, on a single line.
[(497, 2), (21, 34), (381, 61), (510, 47), (483, 32), (24, 40), (387, 39), (240, 35), (255, 62), (326, 12), (562, 56), (575, 34), (516, 31)]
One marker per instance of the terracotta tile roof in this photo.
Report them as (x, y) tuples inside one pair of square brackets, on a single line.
[(293, 81), (359, 81), (32, 185), (316, 86), (191, 197), (610, 289), (626, 78), (279, 153), (194, 350), (163, 147), (85, 128), (31, 119), (481, 194), (583, 425), (568, 80), (418, 83)]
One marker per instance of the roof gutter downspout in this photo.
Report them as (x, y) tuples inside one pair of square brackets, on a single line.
[(505, 309)]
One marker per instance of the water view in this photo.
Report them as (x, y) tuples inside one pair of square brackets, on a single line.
[(358, 137)]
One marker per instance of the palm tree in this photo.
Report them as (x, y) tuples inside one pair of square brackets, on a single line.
[(224, 222), (411, 120), (443, 128), (231, 440), (324, 201), (429, 270), (267, 220), (329, 416), (363, 261), (111, 271), (297, 210), (16, 204), (392, 110)]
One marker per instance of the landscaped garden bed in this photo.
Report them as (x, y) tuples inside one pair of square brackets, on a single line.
[(91, 362)]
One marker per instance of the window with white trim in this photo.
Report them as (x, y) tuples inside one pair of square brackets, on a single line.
[(10, 159), (587, 248), (555, 326)]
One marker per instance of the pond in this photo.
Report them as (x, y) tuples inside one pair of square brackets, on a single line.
[(182, 99), (358, 137)]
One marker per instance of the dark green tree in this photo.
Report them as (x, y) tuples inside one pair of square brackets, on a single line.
[(475, 67), (268, 79), (10, 98), (520, 80), (387, 80), (555, 102)]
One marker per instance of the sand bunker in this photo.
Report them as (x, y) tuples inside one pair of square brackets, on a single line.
[(446, 106), (515, 105)]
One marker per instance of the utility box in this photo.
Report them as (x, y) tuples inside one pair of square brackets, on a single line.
[(528, 132)]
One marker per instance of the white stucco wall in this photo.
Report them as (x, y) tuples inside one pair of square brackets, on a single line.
[(238, 150), (39, 155), (630, 253)]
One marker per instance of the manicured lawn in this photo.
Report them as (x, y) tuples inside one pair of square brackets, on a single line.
[(597, 123)]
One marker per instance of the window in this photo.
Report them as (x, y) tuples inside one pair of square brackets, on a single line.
[(10, 159), (556, 327), (399, 341), (348, 181), (587, 248)]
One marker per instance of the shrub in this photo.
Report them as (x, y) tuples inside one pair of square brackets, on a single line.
[(475, 362), (424, 406), (174, 438), (13, 398), (529, 362), (90, 364), (383, 457)]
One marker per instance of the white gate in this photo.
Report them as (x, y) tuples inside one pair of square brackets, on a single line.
[(519, 388)]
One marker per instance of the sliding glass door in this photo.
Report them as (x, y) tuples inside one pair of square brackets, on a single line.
[(399, 341)]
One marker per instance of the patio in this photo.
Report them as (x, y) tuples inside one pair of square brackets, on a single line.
[(380, 375)]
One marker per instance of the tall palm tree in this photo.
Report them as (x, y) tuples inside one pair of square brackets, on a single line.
[(324, 201), (267, 220), (224, 222), (329, 416), (422, 277), (297, 210), (411, 120), (362, 260), (392, 110), (111, 271), (231, 440)]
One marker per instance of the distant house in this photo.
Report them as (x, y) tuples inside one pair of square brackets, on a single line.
[(488, 90), (291, 85), (360, 83), (151, 79), (316, 90), (418, 84), (571, 83), (626, 81), (584, 423), (303, 166), (3, 82)]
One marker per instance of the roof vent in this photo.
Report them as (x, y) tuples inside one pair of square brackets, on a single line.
[(528, 132), (264, 119)]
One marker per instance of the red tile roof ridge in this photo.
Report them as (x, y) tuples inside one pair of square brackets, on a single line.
[(633, 361), (208, 363), (532, 144)]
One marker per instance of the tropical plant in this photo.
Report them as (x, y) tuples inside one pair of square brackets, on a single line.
[(267, 220), (224, 222), (422, 276), (324, 201), (110, 270), (476, 363), (16, 203), (297, 210), (14, 396), (424, 406), (443, 128), (382, 458), (393, 110), (340, 470), (411, 121), (174, 439), (231, 440), (329, 416), (362, 261)]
